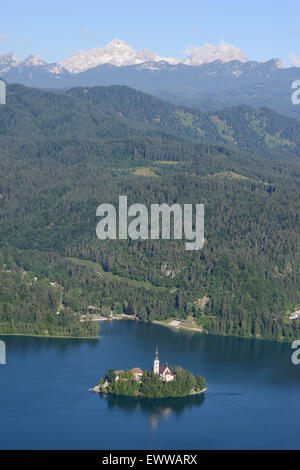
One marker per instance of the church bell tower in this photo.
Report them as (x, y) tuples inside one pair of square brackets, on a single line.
[(156, 362)]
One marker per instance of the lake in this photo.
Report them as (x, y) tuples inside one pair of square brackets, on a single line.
[(252, 401)]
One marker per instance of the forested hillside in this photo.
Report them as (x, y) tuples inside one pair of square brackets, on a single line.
[(120, 113), (261, 131), (64, 154)]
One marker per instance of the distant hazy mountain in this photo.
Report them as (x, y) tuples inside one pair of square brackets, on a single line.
[(209, 78), (116, 53)]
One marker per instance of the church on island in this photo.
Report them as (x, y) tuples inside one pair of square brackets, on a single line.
[(162, 370)]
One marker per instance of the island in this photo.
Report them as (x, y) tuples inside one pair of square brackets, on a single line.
[(160, 382)]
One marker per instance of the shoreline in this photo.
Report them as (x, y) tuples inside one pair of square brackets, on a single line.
[(153, 322), (197, 393), (99, 318), (96, 389), (203, 331), (31, 335), (179, 327)]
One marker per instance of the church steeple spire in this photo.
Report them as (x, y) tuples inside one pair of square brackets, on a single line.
[(156, 362)]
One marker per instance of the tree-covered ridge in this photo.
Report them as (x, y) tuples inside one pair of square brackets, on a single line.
[(50, 187), (121, 112), (261, 131), (149, 385)]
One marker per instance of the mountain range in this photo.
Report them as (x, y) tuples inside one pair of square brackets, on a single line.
[(120, 54), (210, 78)]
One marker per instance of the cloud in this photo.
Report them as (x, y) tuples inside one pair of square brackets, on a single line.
[(295, 62), (86, 34), (209, 53), (2, 37)]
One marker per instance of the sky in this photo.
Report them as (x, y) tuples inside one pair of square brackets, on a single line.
[(55, 29)]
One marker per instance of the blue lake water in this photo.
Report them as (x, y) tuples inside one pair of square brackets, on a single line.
[(252, 400)]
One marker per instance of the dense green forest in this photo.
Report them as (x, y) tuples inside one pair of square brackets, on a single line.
[(151, 386), (63, 154)]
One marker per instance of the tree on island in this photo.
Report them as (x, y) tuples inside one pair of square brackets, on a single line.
[(110, 376)]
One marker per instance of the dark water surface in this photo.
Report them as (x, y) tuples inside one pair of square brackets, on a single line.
[(252, 402)]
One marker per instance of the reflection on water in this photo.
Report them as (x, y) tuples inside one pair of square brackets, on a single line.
[(156, 408), (232, 348), (37, 344)]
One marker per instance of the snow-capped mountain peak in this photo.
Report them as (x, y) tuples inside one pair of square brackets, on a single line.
[(209, 53), (7, 61), (116, 52), (118, 43), (34, 60)]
